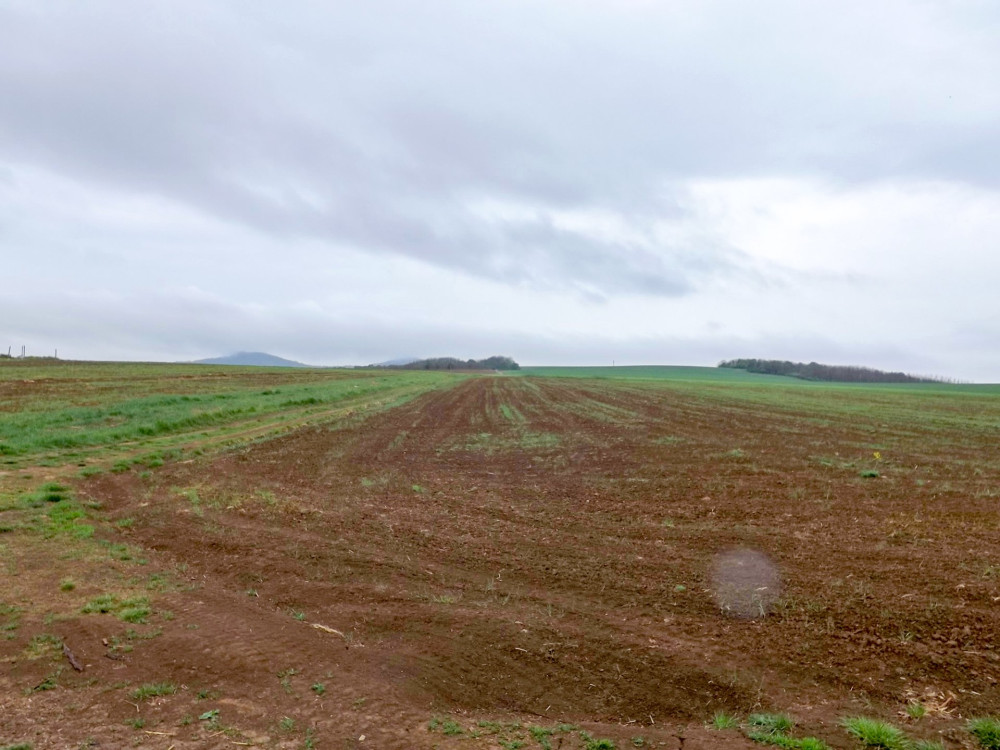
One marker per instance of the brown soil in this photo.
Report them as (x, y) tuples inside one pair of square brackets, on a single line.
[(539, 551)]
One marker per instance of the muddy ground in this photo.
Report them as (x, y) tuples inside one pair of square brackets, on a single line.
[(622, 558)]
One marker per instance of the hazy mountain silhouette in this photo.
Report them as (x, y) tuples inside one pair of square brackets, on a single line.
[(259, 359)]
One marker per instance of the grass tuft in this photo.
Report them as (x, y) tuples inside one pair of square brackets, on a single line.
[(782, 740), (875, 733), (447, 726), (54, 493), (916, 710), (986, 730), (152, 690), (722, 720), (134, 610), (771, 722), (812, 743)]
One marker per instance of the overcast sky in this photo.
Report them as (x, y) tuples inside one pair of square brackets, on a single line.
[(561, 181)]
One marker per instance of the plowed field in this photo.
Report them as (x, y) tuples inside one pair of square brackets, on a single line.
[(516, 553)]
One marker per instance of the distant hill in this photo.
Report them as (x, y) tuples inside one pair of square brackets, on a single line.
[(398, 362), (258, 359), (829, 373)]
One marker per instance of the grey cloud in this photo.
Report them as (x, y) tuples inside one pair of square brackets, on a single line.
[(374, 126), (284, 158)]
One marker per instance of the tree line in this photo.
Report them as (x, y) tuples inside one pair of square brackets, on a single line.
[(832, 373), (452, 363)]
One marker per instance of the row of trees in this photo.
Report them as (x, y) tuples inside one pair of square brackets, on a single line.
[(451, 363), (816, 371)]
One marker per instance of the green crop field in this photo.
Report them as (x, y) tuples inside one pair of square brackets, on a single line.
[(929, 407), (54, 413), (738, 376), (653, 372)]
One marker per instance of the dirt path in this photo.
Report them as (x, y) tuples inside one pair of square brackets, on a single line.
[(543, 551)]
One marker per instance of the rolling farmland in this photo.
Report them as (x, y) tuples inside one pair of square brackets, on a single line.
[(558, 558)]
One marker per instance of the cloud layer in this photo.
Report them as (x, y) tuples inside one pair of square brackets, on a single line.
[(503, 172)]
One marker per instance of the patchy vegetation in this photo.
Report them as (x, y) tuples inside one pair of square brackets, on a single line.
[(529, 562)]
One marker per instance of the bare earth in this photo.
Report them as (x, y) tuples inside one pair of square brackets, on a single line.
[(534, 551)]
